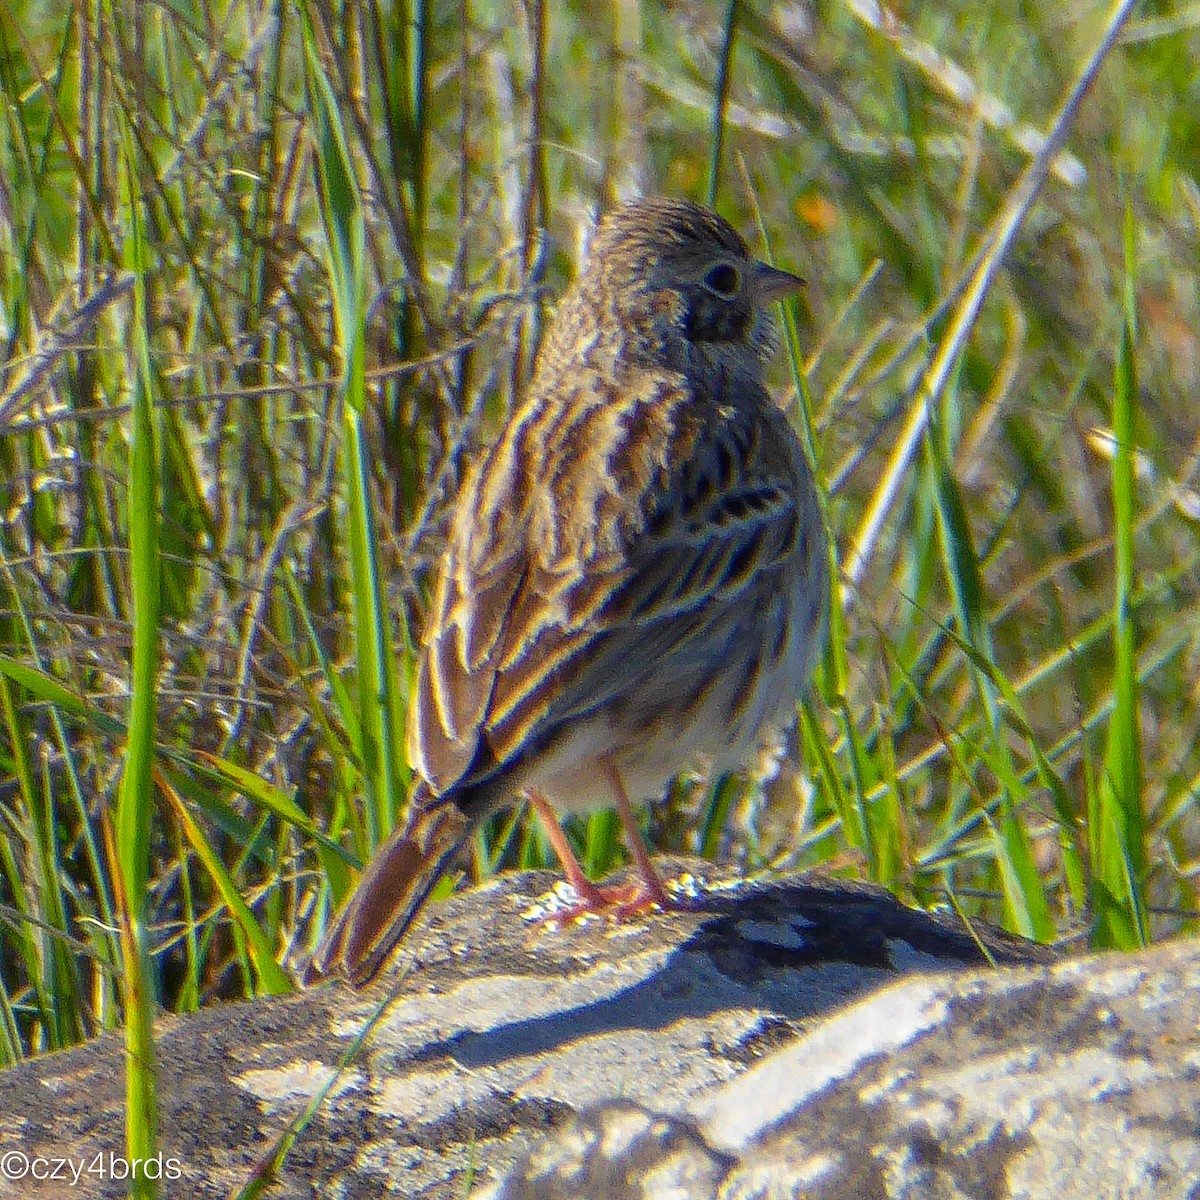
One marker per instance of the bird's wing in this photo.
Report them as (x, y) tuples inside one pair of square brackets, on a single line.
[(601, 534)]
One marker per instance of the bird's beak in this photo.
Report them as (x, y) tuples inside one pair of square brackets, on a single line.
[(773, 284)]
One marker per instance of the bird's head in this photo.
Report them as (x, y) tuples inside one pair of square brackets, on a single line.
[(681, 272)]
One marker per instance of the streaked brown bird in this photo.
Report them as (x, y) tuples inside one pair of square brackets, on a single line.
[(635, 577)]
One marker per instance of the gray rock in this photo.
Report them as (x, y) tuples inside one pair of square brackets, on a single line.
[(1080, 1080), (502, 1029)]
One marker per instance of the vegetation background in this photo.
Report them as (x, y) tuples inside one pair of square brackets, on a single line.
[(269, 275)]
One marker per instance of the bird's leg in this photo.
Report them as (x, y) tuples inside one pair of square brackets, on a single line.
[(624, 901), (652, 890), (591, 898)]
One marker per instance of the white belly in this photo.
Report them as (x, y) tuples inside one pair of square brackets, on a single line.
[(674, 724)]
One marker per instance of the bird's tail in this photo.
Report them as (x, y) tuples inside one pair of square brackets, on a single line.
[(392, 890)]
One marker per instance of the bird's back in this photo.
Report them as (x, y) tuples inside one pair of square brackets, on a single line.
[(618, 556)]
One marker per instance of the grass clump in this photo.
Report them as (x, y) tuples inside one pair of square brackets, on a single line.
[(270, 275)]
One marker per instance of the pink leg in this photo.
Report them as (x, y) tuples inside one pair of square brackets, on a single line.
[(652, 891), (591, 898), (623, 901)]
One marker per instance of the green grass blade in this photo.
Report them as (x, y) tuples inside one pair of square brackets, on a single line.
[(1120, 840), (1024, 890), (50, 690), (341, 209), (272, 979), (721, 102), (41, 910), (713, 819), (135, 804), (257, 789)]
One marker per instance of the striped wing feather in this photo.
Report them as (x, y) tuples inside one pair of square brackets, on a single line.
[(541, 623)]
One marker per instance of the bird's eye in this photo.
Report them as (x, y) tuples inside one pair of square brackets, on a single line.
[(724, 281)]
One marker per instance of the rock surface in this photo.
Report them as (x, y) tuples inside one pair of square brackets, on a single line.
[(523, 1059), (1078, 1082)]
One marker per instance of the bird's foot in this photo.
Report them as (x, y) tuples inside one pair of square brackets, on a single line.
[(579, 899)]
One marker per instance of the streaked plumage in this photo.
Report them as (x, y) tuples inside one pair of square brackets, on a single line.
[(636, 571)]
